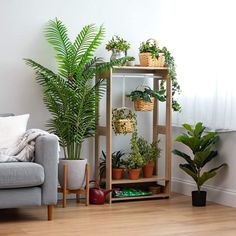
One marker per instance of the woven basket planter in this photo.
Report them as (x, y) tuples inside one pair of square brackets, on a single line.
[(141, 105), (146, 59), (123, 126)]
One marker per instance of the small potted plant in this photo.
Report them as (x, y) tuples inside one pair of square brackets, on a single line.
[(117, 164), (144, 99), (150, 54), (150, 152), (134, 161), (123, 120), (130, 61), (118, 46), (202, 146)]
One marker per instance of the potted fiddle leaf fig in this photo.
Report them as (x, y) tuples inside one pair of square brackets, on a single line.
[(149, 152), (202, 146), (134, 161), (144, 99), (70, 94), (118, 46)]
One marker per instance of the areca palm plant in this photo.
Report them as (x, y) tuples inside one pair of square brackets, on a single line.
[(71, 94)]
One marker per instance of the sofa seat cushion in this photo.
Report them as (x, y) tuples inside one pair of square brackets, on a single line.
[(20, 175)]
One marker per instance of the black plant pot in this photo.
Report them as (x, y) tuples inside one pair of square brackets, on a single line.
[(199, 198)]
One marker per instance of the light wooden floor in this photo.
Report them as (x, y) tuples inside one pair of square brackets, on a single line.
[(143, 218)]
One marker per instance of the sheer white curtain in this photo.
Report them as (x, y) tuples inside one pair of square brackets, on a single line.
[(202, 36)]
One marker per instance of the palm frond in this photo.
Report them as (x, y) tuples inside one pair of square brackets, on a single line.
[(56, 34)]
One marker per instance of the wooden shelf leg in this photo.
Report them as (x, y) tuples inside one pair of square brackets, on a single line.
[(87, 184), (65, 174), (78, 198)]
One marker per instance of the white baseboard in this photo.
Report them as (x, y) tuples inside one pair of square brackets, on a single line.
[(219, 195)]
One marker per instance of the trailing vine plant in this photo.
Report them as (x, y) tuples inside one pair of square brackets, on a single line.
[(152, 47), (170, 61)]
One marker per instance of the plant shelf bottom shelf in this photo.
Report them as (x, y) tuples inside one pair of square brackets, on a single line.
[(160, 195)]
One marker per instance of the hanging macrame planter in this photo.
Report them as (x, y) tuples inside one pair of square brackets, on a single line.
[(123, 120)]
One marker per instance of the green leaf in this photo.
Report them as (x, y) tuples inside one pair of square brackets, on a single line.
[(188, 128), (192, 142), (211, 156), (204, 177), (218, 167), (201, 157), (183, 155), (56, 34), (189, 170), (199, 129)]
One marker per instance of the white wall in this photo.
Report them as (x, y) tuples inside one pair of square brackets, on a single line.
[(22, 23)]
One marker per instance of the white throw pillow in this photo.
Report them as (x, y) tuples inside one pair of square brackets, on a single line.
[(11, 128)]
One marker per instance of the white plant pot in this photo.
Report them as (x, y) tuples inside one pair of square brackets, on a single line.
[(76, 173)]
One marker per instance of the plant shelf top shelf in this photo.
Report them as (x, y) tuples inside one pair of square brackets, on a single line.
[(141, 70)]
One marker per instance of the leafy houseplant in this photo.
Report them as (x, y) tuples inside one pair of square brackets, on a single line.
[(69, 94), (144, 100), (149, 152), (123, 120), (202, 151), (134, 161), (130, 61), (156, 52), (118, 46), (117, 164), (150, 46)]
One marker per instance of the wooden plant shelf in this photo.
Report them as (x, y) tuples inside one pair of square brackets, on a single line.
[(140, 180), (157, 74), (153, 196)]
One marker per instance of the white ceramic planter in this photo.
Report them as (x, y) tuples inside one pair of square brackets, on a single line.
[(76, 173)]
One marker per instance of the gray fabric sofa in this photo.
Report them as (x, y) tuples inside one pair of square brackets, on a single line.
[(24, 184)]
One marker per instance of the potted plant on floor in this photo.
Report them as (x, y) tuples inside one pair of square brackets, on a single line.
[(118, 46), (117, 164), (150, 152), (70, 94), (134, 161), (202, 146), (144, 99), (123, 120)]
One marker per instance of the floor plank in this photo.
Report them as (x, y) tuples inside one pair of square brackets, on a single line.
[(172, 217)]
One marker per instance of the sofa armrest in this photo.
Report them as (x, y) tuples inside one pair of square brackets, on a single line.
[(46, 154)]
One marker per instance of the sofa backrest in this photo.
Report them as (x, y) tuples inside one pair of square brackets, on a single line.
[(6, 114)]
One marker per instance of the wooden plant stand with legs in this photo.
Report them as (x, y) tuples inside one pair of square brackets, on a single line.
[(84, 191)]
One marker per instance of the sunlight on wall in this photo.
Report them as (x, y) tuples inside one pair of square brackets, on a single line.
[(201, 35)]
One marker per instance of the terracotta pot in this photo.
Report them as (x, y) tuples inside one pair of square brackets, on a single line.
[(148, 169), (134, 173), (117, 173), (76, 173)]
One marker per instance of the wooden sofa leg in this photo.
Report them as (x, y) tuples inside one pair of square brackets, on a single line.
[(50, 212)]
